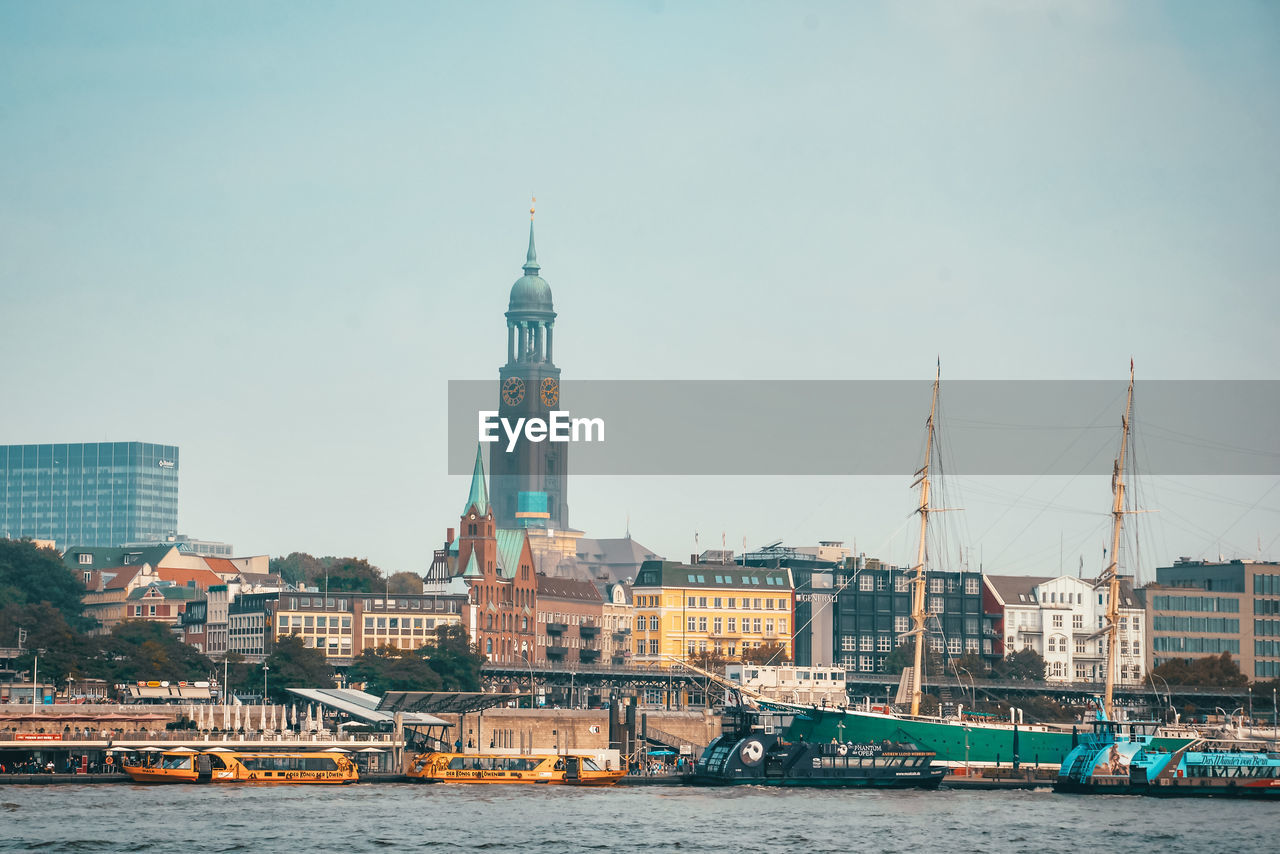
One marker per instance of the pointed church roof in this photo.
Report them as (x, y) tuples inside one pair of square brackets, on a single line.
[(479, 497), (531, 266), (531, 293), (473, 568)]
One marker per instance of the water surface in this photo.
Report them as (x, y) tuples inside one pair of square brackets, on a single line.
[(367, 818)]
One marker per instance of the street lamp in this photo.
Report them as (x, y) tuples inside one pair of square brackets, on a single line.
[(265, 668)]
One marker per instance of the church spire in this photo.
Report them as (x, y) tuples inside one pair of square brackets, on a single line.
[(479, 496), (531, 267)]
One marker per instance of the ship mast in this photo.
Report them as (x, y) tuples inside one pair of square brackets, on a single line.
[(1110, 575), (918, 613)]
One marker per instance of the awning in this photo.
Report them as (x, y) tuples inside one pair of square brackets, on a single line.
[(444, 702), (362, 706)]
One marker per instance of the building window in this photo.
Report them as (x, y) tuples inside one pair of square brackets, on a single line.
[(935, 604), (653, 623), (866, 663), (1057, 621), (971, 586), (733, 625), (1080, 645), (901, 624), (692, 624), (953, 646), (702, 624), (884, 643), (653, 647), (935, 585), (86, 559), (717, 626), (755, 626), (848, 643), (867, 582), (1077, 621), (971, 645)]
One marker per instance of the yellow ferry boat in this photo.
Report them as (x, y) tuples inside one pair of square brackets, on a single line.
[(225, 766), (548, 769)]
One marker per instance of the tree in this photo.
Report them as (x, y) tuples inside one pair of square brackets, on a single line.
[(709, 660), (294, 665), (144, 650), (350, 575), (1025, 665), (30, 575), (404, 582), (1218, 671), (297, 568), (390, 669), (767, 653), (455, 658), (970, 663), (63, 651)]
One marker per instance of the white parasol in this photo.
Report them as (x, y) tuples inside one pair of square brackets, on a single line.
[(294, 716), (226, 717), (262, 719), (273, 718), (237, 718), (335, 750)]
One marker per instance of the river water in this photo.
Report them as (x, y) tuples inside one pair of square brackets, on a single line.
[(560, 820)]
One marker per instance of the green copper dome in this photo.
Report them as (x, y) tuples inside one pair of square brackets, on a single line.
[(531, 292)]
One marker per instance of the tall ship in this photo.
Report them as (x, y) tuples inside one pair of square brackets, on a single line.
[(979, 741), (763, 748), (1122, 758)]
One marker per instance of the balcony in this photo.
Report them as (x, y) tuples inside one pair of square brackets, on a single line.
[(589, 656), (621, 634), (557, 628), (589, 630), (557, 652)]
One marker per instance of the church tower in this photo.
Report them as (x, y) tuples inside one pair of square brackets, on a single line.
[(530, 483)]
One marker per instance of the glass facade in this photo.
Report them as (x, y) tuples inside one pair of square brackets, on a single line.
[(93, 494)]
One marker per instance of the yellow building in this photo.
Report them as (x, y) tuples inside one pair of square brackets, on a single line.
[(685, 610)]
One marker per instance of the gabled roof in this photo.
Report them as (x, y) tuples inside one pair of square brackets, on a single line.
[(510, 545), (119, 577), (1008, 588), (167, 591), (203, 578), (223, 567), (104, 556), (568, 589), (473, 567)]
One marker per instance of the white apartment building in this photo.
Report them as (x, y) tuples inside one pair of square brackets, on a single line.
[(1060, 618)]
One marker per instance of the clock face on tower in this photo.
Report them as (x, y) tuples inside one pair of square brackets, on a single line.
[(550, 391), (513, 391)]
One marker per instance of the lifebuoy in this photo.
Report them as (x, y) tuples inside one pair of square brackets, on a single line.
[(842, 749)]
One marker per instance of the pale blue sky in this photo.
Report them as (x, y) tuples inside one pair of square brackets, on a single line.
[(270, 233)]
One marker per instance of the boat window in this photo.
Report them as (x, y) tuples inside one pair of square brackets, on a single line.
[(181, 763), (589, 764)]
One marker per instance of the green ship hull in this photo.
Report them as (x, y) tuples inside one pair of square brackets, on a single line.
[(956, 744)]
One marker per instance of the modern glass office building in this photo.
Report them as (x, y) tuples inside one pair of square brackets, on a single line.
[(93, 494)]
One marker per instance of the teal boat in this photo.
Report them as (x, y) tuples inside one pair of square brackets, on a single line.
[(1125, 758)]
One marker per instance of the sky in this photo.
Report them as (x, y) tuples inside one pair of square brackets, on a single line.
[(272, 233)]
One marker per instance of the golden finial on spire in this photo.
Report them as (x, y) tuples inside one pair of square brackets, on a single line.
[(532, 202)]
